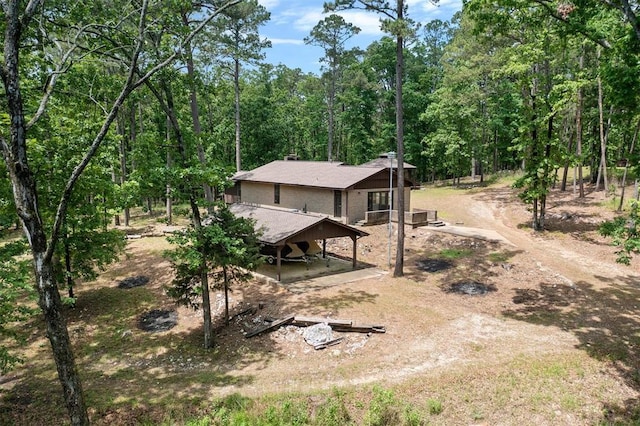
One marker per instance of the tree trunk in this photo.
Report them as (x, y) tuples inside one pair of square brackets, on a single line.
[(195, 116), (399, 266), (169, 201), (67, 263), (331, 112), (204, 283), (495, 151), (602, 169), (26, 202), (236, 91), (123, 171), (188, 187), (579, 106), (51, 305), (565, 172), (226, 295), (547, 155), (626, 166), (535, 148)]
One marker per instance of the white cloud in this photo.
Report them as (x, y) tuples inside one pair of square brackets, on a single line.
[(425, 11), (305, 20), (276, 41), (269, 4), (368, 22)]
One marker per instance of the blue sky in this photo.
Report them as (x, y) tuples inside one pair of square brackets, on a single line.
[(292, 21)]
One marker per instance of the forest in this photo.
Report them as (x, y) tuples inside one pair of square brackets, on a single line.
[(113, 105)]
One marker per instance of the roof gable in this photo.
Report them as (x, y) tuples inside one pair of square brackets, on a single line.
[(384, 162)]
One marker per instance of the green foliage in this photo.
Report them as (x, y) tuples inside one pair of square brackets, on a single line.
[(91, 251), (288, 412), (624, 233), (434, 406), (333, 411), (225, 245), (15, 293), (383, 409)]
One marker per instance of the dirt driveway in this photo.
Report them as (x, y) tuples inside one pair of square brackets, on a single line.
[(555, 300)]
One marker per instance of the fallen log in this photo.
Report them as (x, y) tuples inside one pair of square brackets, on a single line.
[(361, 328), (272, 326), (307, 321)]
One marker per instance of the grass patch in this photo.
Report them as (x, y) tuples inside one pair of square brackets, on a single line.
[(376, 407), (434, 406), (454, 253), (499, 256)]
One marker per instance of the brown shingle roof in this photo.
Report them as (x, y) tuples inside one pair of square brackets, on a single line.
[(278, 224), (320, 174), (384, 162)]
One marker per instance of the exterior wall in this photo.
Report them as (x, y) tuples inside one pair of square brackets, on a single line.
[(357, 204), (317, 200), (258, 193), (291, 197)]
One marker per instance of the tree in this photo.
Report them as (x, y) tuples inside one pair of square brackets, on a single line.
[(394, 23), (14, 285), (330, 34), (236, 30), (113, 32), (624, 233), (226, 245)]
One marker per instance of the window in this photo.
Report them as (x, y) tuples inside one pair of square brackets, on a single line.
[(276, 193), (337, 203), (378, 201)]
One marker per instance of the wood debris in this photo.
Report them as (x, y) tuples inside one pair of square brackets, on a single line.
[(272, 326), (307, 321), (335, 324), (329, 343)]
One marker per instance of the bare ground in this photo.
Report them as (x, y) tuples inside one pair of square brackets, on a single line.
[(556, 341)]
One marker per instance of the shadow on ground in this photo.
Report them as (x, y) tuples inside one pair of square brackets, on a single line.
[(125, 371), (605, 320)]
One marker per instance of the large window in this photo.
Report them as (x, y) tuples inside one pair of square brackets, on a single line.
[(276, 193), (378, 201)]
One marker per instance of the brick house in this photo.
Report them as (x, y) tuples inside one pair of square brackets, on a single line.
[(343, 193)]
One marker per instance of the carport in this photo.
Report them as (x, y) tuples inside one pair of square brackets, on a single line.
[(280, 227)]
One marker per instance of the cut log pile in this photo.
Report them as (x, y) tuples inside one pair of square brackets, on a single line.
[(335, 324)]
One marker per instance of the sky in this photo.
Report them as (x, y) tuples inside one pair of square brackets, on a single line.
[(292, 21)]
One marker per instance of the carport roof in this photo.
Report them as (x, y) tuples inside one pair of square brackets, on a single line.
[(280, 226)]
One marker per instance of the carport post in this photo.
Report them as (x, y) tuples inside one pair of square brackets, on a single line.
[(355, 250), (278, 262), (324, 248)]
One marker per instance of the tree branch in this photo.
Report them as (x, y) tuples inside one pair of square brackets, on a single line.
[(97, 141), (579, 28), (130, 85)]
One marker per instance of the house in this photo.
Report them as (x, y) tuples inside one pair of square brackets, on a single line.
[(344, 193)]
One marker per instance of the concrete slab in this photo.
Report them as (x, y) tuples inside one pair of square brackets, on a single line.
[(319, 283), (299, 277), (478, 233)]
